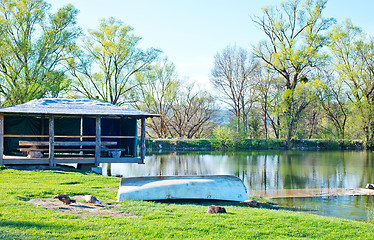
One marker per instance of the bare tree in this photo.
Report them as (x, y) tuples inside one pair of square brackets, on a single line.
[(333, 99), (268, 96), (184, 111), (232, 77), (158, 88), (193, 112)]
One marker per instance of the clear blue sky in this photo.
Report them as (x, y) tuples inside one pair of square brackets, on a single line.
[(191, 32)]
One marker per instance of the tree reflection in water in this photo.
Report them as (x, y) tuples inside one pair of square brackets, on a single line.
[(262, 170), (275, 174)]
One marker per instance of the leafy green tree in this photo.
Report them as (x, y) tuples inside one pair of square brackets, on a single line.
[(298, 99), (33, 46), (107, 62), (354, 61), (296, 33)]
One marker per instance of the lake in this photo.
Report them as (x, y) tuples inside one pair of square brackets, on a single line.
[(275, 174)]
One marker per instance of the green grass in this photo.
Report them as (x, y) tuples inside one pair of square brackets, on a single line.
[(157, 220)]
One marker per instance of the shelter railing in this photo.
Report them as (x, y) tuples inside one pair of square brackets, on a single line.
[(70, 151), (65, 136)]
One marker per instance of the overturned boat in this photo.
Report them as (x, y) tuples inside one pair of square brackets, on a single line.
[(215, 187)]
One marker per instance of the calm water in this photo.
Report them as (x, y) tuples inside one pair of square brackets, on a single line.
[(270, 173)]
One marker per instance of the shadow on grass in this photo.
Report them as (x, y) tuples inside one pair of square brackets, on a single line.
[(70, 183), (59, 169), (204, 202), (200, 202), (27, 225)]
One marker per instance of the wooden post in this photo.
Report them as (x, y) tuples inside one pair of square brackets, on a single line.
[(1, 139), (142, 140), (98, 141), (81, 134), (52, 141), (81, 128)]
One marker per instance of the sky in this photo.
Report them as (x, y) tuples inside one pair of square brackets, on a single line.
[(191, 32)]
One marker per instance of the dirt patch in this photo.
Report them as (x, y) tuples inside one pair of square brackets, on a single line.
[(81, 208)]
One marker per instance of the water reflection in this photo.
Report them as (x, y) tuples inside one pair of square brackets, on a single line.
[(349, 207), (275, 174), (262, 170)]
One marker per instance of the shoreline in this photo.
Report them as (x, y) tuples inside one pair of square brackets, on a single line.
[(252, 144)]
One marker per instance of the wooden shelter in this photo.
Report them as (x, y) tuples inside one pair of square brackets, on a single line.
[(51, 131)]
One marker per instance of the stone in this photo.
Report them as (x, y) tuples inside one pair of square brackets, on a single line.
[(252, 203), (216, 209)]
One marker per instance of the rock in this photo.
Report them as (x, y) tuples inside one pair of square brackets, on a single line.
[(370, 186), (252, 203), (216, 209)]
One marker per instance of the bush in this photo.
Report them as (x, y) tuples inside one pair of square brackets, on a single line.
[(225, 138)]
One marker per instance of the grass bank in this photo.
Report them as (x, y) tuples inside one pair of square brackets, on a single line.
[(20, 219), (252, 144)]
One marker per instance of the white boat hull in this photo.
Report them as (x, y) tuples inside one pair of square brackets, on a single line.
[(217, 187)]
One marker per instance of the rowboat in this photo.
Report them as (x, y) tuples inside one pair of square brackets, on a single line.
[(215, 187)]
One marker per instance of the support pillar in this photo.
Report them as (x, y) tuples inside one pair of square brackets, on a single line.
[(98, 141), (81, 134), (142, 140), (52, 141), (1, 139)]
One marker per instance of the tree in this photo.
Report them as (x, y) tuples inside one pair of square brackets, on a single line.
[(332, 98), (268, 90), (296, 33), (184, 111), (33, 46), (354, 61), (158, 87), (109, 58), (232, 76), (192, 113)]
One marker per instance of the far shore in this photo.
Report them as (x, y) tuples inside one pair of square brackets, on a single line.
[(252, 144)]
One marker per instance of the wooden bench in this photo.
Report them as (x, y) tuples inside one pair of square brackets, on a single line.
[(38, 147)]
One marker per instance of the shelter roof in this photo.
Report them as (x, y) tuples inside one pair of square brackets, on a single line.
[(74, 107)]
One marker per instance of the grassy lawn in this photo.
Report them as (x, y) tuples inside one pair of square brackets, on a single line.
[(20, 219)]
